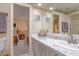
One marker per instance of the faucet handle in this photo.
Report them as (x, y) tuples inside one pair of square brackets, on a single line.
[(75, 41), (70, 38)]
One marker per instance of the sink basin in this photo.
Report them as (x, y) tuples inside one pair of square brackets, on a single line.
[(66, 45), (49, 40)]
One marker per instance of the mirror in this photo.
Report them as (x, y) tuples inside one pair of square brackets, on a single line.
[(3, 22)]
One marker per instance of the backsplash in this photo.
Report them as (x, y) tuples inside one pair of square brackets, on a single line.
[(58, 36), (64, 36)]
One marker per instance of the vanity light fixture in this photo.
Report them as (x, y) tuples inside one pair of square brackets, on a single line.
[(51, 8), (39, 4)]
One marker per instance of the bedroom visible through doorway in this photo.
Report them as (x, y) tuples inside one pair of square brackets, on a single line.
[(21, 30)]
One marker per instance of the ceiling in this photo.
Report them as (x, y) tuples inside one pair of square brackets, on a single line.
[(66, 8)]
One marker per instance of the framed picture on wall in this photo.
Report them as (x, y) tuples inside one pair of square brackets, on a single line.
[(37, 18), (64, 27)]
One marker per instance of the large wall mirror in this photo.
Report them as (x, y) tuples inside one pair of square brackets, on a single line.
[(3, 22)]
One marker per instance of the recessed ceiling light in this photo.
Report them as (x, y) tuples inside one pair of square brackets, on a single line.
[(51, 8), (39, 4)]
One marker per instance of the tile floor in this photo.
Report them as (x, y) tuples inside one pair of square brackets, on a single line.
[(22, 48)]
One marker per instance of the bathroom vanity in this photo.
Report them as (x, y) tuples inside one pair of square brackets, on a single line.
[(3, 32), (46, 46), (2, 45)]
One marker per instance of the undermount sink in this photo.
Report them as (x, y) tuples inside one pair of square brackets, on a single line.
[(49, 40), (66, 45)]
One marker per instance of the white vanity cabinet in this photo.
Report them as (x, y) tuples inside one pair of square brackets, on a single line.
[(40, 49), (52, 52), (2, 45), (35, 47)]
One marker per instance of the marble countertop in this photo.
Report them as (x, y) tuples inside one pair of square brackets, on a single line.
[(2, 39), (50, 42)]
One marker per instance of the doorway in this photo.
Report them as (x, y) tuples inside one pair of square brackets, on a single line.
[(56, 24), (21, 30)]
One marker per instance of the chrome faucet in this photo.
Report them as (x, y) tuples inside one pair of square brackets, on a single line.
[(71, 39)]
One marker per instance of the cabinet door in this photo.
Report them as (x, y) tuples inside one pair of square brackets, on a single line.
[(40, 49), (35, 47), (3, 22)]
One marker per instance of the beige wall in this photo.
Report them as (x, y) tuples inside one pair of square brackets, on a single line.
[(22, 24), (21, 17), (75, 24)]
